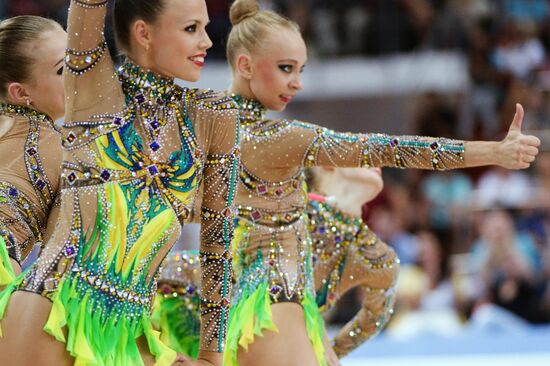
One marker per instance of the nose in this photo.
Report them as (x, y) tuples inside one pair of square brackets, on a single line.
[(206, 42), (296, 83)]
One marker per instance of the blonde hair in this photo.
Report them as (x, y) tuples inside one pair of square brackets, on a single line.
[(251, 26), (15, 36)]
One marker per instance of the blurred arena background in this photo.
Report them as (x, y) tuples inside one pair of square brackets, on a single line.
[(474, 245)]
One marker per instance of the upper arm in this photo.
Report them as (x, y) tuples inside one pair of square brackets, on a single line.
[(91, 85)]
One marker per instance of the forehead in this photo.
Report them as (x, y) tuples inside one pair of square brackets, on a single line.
[(285, 44), (50, 46), (184, 10)]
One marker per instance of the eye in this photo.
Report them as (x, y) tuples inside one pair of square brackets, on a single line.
[(302, 69), (60, 71), (191, 28), (286, 68)]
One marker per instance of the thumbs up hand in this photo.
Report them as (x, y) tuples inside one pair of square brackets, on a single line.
[(517, 151)]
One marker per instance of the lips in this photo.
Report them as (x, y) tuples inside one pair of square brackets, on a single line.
[(286, 98), (198, 59)]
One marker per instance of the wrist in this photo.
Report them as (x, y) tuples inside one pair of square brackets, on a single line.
[(494, 153), (211, 358)]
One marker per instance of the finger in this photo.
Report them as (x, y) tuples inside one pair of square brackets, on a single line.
[(531, 150), (531, 140), (523, 165), (518, 118), (528, 158)]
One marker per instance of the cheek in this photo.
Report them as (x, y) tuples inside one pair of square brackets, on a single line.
[(266, 76)]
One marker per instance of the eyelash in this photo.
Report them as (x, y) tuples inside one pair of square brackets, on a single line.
[(286, 68), (60, 71)]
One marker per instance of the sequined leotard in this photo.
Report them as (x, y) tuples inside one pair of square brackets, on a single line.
[(136, 148), (272, 247), (346, 254), (30, 147)]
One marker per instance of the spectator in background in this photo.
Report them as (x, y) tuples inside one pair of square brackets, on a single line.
[(519, 51), (526, 10), (387, 225), (501, 188), (448, 196), (425, 296), (508, 266)]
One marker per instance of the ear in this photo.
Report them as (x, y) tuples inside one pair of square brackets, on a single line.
[(18, 94), (141, 33), (244, 66)]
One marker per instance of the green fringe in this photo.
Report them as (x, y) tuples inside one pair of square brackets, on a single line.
[(7, 274), (96, 340), (251, 315), (179, 326)]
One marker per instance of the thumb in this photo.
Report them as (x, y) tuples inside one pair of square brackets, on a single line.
[(518, 118)]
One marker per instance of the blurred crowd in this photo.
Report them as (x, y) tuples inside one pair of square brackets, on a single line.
[(474, 245)]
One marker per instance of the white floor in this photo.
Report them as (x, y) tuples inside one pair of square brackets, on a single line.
[(542, 359)]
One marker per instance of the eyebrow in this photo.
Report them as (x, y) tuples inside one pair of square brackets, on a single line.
[(196, 21)]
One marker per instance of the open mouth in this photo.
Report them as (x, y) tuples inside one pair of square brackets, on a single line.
[(198, 60)]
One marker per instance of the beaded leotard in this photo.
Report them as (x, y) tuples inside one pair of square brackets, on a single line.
[(29, 182), (136, 149)]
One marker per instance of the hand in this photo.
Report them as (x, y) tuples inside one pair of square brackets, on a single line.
[(517, 151), (183, 360), (330, 355)]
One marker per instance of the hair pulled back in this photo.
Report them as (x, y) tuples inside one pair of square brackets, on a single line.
[(15, 36), (126, 12), (252, 26)]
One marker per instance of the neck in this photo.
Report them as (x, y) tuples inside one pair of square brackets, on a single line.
[(241, 87)]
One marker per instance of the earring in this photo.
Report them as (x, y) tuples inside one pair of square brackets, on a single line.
[(28, 102)]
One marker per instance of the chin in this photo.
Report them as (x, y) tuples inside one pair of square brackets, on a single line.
[(277, 107)]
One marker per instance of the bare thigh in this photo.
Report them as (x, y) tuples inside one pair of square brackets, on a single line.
[(290, 346), (24, 341)]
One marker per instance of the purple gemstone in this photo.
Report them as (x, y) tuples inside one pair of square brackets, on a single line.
[(105, 175), (12, 192), (40, 184), (322, 230), (190, 290), (140, 98), (154, 146), (155, 124), (117, 121), (71, 178), (71, 137), (434, 145), (394, 142), (153, 170), (256, 215), (70, 251), (31, 151), (275, 289), (262, 189), (338, 239)]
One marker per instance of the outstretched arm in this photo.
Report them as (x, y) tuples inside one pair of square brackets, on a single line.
[(318, 146), (91, 85)]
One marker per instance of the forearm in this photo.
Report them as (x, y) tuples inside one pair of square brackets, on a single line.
[(480, 153)]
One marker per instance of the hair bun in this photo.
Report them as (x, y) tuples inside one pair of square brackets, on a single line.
[(242, 9)]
